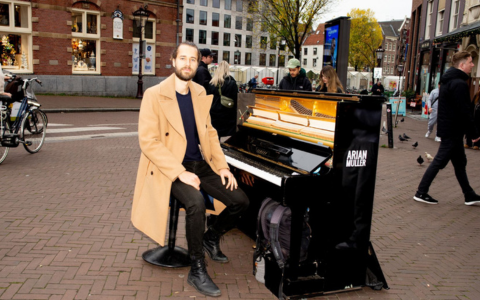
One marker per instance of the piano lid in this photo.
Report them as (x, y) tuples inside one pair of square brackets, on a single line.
[(296, 155)]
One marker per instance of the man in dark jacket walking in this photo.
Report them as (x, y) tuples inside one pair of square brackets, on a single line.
[(203, 76), (297, 79), (454, 118)]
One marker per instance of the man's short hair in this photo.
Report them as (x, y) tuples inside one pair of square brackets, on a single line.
[(460, 57), (175, 51)]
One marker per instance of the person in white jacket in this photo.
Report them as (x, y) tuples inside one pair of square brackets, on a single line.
[(432, 104)]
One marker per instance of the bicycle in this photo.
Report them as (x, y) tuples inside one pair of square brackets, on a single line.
[(30, 125)]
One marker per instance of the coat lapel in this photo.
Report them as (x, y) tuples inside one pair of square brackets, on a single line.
[(170, 106), (201, 107)]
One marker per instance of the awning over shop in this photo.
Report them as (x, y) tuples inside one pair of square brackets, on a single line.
[(459, 33)]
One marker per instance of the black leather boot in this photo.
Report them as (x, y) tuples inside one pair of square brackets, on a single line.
[(211, 244), (200, 280)]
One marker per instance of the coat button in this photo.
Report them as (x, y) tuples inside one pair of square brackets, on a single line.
[(166, 134), (205, 126), (151, 173)]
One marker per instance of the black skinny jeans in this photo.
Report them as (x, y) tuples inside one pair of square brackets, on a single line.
[(235, 201), (450, 149)]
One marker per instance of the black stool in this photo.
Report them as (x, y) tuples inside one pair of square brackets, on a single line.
[(173, 256)]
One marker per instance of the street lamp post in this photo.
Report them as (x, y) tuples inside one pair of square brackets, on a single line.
[(400, 70), (141, 17), (379, 52), (281, 43)]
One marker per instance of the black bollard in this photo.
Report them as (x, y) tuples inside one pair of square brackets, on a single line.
[(389, 125)]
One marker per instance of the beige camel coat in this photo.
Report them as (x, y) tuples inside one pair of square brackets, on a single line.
[(163, 144)]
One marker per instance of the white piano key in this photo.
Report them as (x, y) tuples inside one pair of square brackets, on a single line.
[(255, 171)]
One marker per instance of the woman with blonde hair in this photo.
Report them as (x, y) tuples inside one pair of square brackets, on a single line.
[(329, 81), (223, 112)]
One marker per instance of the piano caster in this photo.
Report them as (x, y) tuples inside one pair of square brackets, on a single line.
[(166, 257)]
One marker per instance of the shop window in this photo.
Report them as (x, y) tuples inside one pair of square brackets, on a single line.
[(203, 17), (248, 41), (85, 41), (214, 38), (202, 36), (263, 59), (148, 62), (239, 5), (215, 56), (238, 22), (272, 60), (248, 59), (226, 39), (273, 43), (227, 21), (249, 24), (189, 35), (16, 36), (226, 56), (190, 16), (263, 42), (238, 58), (215, 19), (238, 40)]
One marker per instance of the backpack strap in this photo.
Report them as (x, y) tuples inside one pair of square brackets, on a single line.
[(260, 225), (274, 229), (219, 90)]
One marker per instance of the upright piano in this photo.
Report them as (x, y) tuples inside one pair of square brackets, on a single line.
[(314, 152)]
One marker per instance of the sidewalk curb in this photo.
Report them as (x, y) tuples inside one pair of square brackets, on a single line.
[(76, 110)]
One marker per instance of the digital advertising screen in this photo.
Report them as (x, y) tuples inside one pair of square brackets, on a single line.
[(331, 46)]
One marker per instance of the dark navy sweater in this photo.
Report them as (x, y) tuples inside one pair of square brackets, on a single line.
[(188, 118)]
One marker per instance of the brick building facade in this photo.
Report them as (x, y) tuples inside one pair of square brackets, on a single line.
[(72, 44)]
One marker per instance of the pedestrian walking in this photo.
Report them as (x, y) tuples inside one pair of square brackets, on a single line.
[(454, 119), (432, 105), (174, 121), (223, 112)]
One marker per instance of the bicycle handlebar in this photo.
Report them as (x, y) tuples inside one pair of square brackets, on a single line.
[(26, 81)]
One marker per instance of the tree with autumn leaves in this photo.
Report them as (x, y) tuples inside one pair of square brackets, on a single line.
[(290, 20), (365, 38)]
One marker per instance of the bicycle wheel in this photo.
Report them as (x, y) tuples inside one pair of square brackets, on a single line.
[(3, 153), (4, 150), (33, 131)]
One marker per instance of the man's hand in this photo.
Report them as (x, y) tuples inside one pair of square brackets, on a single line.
[(7, 94), (190, 179), (430, 110), (476, 140), (232, 182)]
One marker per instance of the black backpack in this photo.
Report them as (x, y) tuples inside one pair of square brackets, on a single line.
[(273, 232)]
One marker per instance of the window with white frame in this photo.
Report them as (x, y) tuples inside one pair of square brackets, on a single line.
[(148, 35), (454, 15), (439, 23), (85, 41), (428, 20), (16, 33)]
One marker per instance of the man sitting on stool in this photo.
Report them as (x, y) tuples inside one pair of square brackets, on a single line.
[(174, 122)]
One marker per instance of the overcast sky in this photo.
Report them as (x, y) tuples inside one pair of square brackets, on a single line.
[(385, 10)]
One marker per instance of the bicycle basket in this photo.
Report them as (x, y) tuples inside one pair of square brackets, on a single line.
[(29, 92)]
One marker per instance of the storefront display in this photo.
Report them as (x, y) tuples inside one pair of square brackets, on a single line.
[(83, 57)]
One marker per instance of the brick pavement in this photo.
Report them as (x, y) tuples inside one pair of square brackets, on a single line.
[(65, 231)]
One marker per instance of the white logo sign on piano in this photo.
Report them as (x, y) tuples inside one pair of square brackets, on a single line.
[(356, 158)]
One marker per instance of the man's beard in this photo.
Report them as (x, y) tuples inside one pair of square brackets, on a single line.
[(183, 77)]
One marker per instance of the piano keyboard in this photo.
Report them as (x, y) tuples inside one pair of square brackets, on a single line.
[(255, 168)]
